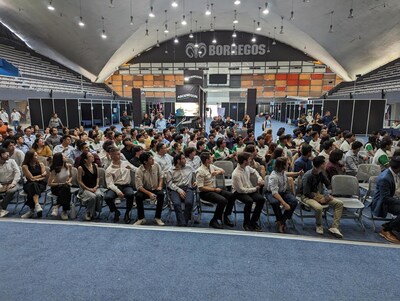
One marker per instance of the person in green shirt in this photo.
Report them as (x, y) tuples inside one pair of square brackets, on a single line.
[(381, 157), (221, 152)]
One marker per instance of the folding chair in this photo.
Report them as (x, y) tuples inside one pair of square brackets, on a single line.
[(346, 189), (365, 171), (228, 167)]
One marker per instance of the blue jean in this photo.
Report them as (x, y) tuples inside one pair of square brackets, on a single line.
[(276, 205), (182, 218), (15, 124)]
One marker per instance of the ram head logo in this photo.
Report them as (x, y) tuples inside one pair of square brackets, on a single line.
[(196, 52)]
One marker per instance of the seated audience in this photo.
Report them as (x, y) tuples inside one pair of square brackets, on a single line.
[(10, 175)]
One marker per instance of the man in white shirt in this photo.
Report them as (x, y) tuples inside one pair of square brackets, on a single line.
[(4, 116), (192, 159), (15, 118), (327, 147), (162, 157), (65, 147), (119, 184), (348, 140), (315, 143), (244, 191), (10, 175), (13, 152), (29, 139)]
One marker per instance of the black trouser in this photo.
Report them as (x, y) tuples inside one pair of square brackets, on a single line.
[(129, 194), (63, 193), (31, 189), (393, 224), (248, 199), (276, 205), (140, 197), (222, 199)]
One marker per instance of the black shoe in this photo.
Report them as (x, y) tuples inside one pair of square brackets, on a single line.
[(39, 214), (248, 227), (127, 218), (228, 222), (256, 227), (214, 223), (116, 216)]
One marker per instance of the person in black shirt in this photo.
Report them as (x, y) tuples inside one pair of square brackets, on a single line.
[(146, 121), (137, 151), (211, 142), (229, 123)]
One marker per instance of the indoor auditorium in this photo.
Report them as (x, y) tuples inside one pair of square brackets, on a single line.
[(183, 134)]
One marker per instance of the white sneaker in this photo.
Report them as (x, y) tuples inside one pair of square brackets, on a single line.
[(320, 230), (54, 211), (140, 222), (38, 210), (335, 232), (159, 222), (3, 213), (64, 215), (28, 214)]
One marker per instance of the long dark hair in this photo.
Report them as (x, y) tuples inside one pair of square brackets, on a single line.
[(28, 157), (83, 158), (35, 144), (58, 163)]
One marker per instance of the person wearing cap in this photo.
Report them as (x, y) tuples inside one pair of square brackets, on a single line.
[(386, 200), (137, 151)]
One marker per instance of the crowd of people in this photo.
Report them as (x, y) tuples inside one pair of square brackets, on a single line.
[(180, 162)]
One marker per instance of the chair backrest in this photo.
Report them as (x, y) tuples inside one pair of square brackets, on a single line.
[(266, 185), (47, 173), (372, 185), (102, 177), (365, 171), (227, 166), (74, 172), (345, 185), (133, 183), (220, 181)]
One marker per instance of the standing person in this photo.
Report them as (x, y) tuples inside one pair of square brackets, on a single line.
[(149, 183), (327, 119), (15, 118), (279, 193), (267, 123), (317, 123), (244, 191), (247, 122), (10, 175), (333, 126), (312, 196), (35, 174), (205, 179), (385, 200), (60, 181), (161, 123), (181, 182), (4, 116), (125, 120), (146, 121), (302, 123), (55, 122), (88, 180), (118, 180)]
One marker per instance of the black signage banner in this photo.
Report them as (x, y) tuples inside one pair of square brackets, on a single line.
[(203, 50), (194, 77), (187, 93)]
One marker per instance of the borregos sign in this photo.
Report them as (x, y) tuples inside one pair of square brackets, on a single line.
[(201, 50)]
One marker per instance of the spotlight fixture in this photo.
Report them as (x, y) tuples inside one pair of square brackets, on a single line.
[(234, 35), (233, 44), (103, 32), (151, 13), (351, 16), (253, 39), (266, 10), (274, 41), (174, 3), (331, 26), (292, 12), (158, 41), (131, 7), (147, 29), (196, 45), (184, 23), (191, 36), (81, 23), (235, 20), (208, 10), (258, 28), (259, 19), (50, 6), (176, 41), (237, 2), (214, 41), (281, 32), (306, 1), (166, 25)]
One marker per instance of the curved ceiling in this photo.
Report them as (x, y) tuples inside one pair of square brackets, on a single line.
[(356, 46)]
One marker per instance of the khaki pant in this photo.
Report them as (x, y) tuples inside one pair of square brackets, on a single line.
[(318, 208)]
